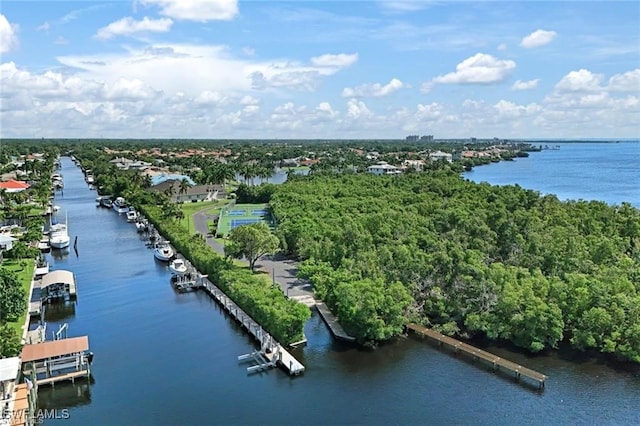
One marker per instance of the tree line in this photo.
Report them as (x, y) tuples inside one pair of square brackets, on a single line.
[(467, 259)]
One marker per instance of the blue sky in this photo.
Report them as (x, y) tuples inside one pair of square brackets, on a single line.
[(319, 69)]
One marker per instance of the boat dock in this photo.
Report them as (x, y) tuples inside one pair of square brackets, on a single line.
[(495, 361), (333, 324), (57, 360), (271, 352)]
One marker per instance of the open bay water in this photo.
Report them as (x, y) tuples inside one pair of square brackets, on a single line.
[(608, 172), (163, 358)]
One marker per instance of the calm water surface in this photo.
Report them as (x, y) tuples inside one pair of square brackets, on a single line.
[(608, 172), (163, 358)]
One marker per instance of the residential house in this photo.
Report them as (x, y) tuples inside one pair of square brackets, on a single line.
[(418, 165), (383, 168), (439, 155), (6, 242), (14, 186), (193, 193), (126, 164)]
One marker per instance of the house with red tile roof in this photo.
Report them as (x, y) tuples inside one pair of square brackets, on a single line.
[(14, 186)]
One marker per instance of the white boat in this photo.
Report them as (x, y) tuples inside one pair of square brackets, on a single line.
[(59, 236), (120, 205), (163, 251), (178, 267), (56, 208), (142, 226), (132, 215)]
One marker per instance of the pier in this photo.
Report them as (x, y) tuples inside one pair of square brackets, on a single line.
[(58, 360), (271, 352), (495, 361), (333, 324)]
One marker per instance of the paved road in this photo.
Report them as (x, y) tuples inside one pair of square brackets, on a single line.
[(281, 268)]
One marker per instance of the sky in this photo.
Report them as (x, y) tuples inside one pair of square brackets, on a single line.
[(369, 69)]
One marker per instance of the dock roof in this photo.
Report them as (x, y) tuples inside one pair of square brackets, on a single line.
[(9, 368), (57, 277), (55, 348)]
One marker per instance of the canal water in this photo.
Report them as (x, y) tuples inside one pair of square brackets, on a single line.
[(163, 358)]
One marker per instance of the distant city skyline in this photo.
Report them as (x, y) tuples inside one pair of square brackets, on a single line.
[(228, 69)]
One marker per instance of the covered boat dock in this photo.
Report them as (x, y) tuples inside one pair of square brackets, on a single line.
[(58, 285), (57, 360)]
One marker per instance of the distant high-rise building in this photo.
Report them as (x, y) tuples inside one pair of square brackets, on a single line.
[(426, 138), (412, 138)]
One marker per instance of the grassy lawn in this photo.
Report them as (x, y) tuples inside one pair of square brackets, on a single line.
[(294, 169), (189, 209), (24, 275)]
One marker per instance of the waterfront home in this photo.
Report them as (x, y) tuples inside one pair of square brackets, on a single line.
[(193, 193), (6, 242), (127, 164), (14, 186), (383, 168), (439, 155)]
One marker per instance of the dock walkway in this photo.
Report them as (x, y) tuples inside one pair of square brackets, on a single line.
[(496, 361), (269, 347), (333, 324)]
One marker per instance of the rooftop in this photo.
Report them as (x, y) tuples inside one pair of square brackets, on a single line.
[(55, 348)]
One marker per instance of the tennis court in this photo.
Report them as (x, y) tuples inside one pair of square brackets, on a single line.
[(239, 222), (234, 215)]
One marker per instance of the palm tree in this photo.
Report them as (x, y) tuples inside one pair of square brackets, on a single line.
[(184, 186)]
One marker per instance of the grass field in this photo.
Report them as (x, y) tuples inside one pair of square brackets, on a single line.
[(210, 207), (242, 214), (24, 272)]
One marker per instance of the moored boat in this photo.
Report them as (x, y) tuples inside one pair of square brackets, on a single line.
[(120, 205), (178, 267), (163, 251), (59, 236), (132, 215)]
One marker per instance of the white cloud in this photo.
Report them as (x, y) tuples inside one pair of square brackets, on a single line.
[(44, 27), (357, 110), (210, 98), (8, 35), (193, 69), (196, 10), (502, 46), (60, 41), (525, 85), (129, 90), (480, 68), (324, 109), (373, 90), (402, 6), (341, 60), (511, 110), (538, 38), (627, 82), (129, 26), (580, 81)]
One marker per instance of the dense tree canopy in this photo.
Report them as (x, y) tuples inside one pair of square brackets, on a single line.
[(12, 298), (473, 258)]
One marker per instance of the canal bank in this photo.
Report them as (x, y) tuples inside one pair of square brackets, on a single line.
[(163, 358)]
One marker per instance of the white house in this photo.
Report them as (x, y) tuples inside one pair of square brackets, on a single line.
[(6, 242), (415, 164), (439, 155), (383, 169)]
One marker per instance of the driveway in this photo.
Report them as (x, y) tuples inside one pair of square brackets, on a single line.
[(280, 268)]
